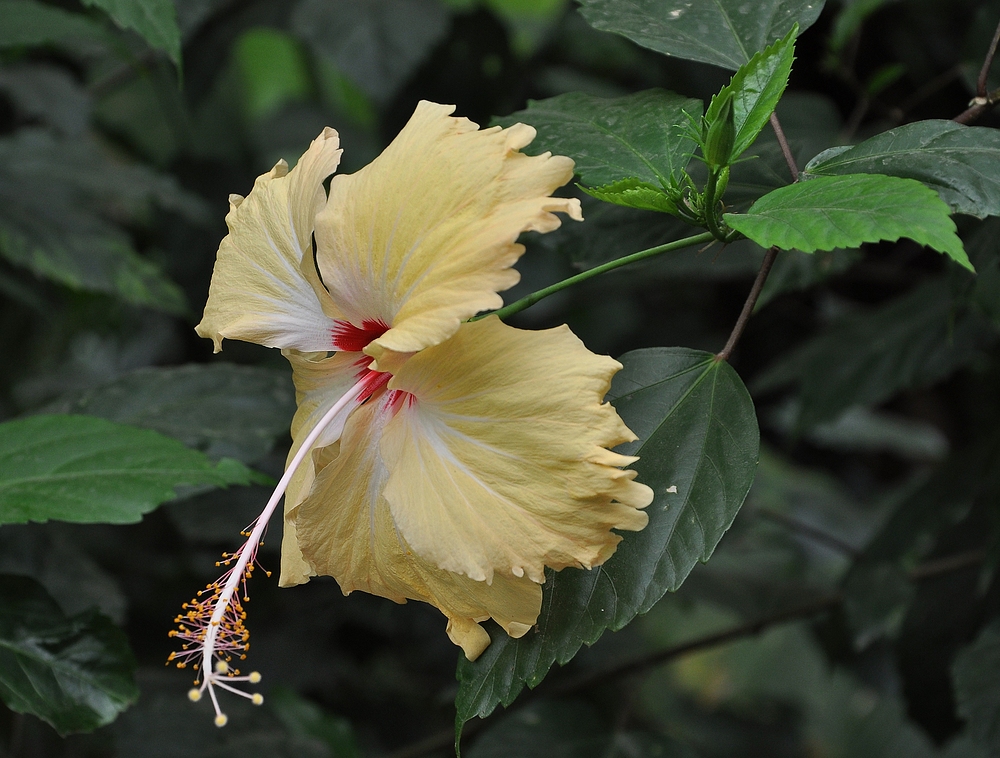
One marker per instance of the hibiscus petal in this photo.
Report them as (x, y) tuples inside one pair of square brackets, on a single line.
[(500, 464), (344, 529), (425, 236), (265, 287)]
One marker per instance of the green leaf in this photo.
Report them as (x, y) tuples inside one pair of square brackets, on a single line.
[(977, 687), (87, 470), (273, 70), (24, 22), (876, 599), (154, 20), (810, 122), (75, 673), (634, 193), (639, 136), (849, 20), (698, 445), (884, 78), (567, 729), (754, 91), (724, 33), (48, 94), (377, 44), (982, 247), (222, 409), (846, 211), (863, 430), (866, 358), (62, 566), (303, 718), (961, 162), (62, 202)]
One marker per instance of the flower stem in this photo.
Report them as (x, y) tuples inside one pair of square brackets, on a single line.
[(529, 300)]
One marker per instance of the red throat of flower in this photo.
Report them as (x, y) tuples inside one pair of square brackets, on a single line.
[(349, 338)]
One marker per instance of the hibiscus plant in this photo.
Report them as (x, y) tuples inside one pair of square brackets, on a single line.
[(413, 302)]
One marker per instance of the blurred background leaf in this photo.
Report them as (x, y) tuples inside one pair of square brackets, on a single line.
[(866, 547), (82, 469), (75, 673)]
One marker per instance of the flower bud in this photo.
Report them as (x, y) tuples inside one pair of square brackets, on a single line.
[(720, 136)]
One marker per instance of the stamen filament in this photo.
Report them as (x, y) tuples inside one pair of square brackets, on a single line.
[(227, 612), (246, 552)]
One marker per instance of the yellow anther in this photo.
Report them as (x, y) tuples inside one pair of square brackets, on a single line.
[(221, 667), (221, 720), (254, 677), (257, 699), (194, 694)]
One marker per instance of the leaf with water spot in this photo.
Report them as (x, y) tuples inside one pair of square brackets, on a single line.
[(724, 33), (697, 448)]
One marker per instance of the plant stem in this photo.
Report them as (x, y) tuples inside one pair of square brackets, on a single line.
[(984, 72), (929, 570), (769, 257), (979, 106), (806, 610), (785, 149), (519, 305), (741, 322), (983, 99)]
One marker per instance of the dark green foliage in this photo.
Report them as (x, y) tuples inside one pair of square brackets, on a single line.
[(961, 162), (223, 409), (376, 44), (568, 730), (155, 20), (613, 140), (977, 688), (27, 22), (75, 673), (58, 199), (848, 607), (87, 470), (864, 359)]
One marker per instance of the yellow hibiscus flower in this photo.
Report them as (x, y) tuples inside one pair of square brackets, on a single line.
[(433, 458)]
